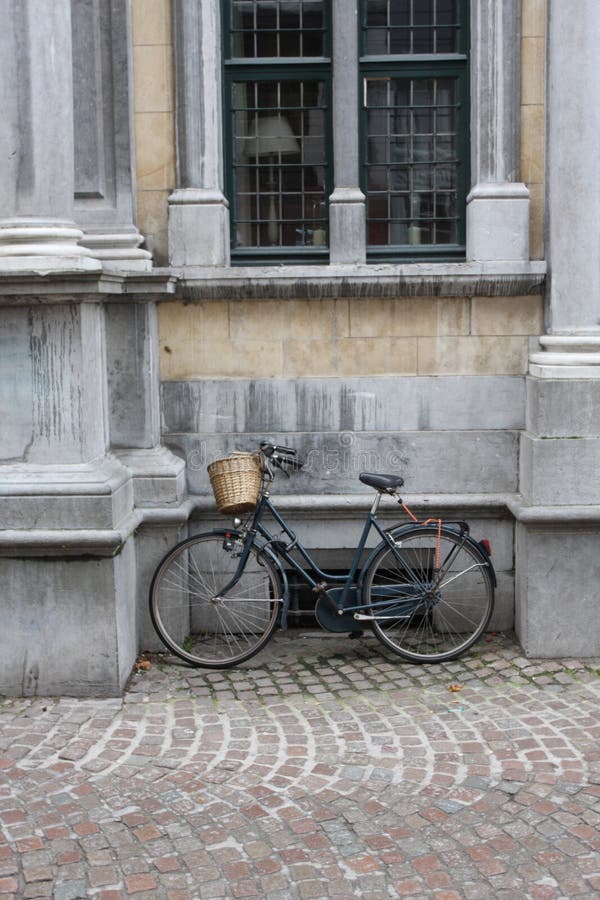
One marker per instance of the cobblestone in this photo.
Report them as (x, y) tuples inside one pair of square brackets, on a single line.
[(321, 768)]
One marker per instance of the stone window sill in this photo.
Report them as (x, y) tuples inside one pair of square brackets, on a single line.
[(377, 280), (464, 279)]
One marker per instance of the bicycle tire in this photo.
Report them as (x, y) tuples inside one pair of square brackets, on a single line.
[(424, 613), (199, 625)]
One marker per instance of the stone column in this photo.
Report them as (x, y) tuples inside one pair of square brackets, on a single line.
[(37, 231), (198, 210), (498, 204), (104, 183), (558, 532), (347, 240)]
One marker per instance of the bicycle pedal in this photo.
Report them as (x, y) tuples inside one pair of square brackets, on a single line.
[(320, 588)]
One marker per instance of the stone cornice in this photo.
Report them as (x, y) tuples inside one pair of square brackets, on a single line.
[(279, 282), (31, 288)]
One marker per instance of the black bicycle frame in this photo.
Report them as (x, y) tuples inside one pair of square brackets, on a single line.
[(283, 551)]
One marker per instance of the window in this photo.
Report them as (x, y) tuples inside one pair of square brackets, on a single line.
[(413, 123), (414, 69), (277, 85)]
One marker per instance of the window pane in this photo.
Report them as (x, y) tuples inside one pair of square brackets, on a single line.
[(280, 166), (411, 26), (414, 163), (277, 28)]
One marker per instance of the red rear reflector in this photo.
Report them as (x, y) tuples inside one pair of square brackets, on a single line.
[(486, 546)]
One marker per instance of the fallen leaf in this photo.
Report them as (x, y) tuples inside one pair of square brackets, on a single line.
[(142, 665), (455, 687)]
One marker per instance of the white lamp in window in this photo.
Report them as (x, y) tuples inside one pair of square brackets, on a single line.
[(271, 137)]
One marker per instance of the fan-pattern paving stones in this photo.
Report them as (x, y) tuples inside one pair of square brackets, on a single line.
[(322, 768)]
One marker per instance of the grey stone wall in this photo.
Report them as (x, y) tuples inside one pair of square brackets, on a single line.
[(445, 435)]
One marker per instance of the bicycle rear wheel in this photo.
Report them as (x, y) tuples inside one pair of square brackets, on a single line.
[(193, 616), (432, 596)]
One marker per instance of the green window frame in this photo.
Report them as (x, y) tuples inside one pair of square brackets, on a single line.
[(277, 131), (415, 126)]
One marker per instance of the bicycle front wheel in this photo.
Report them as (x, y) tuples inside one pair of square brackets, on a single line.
[(201, 620), (431, 597)]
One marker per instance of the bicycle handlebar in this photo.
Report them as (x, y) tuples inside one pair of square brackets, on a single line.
[(269, 449), (281, 457)]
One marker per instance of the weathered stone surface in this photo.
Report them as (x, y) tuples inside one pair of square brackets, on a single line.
[(69, 625), (560, 471), (565, 408), (132, 370), (152, 543), (53, 408), (430, 462), (557, 577), (352, 404)]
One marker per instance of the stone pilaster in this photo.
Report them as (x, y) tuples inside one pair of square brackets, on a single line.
[(104, 183), (573, 199), (347, 241), (198, 210), (558, 528), (498, 204), (37, 230)]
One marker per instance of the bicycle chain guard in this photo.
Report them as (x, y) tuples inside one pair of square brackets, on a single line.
[(328, 616)]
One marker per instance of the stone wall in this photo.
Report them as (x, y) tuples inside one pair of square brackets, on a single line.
[(348, 337)]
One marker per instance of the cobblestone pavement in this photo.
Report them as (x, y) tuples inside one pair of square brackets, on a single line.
[(324, 767)]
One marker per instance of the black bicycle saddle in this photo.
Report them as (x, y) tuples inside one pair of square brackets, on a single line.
[(381, 482)]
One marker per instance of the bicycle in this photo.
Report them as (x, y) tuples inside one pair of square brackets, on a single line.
[(427, 589)]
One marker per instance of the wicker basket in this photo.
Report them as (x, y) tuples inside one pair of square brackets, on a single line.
[(236, 482)]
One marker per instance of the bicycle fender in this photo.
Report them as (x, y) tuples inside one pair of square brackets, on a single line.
[(264, 548), (484, 553)]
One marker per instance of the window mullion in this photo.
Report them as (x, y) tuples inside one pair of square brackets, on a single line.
[(347, 203)]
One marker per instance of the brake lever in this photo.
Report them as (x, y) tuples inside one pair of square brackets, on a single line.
[(289, 450), (277, 461), (295, 464)]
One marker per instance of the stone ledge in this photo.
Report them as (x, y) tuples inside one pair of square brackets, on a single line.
[(72, 542), (62, 543), (30, 288), (553, 515), (567, 370), (77, 497), (89, 542), (358, 505), (384, 280), (280, 282)]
